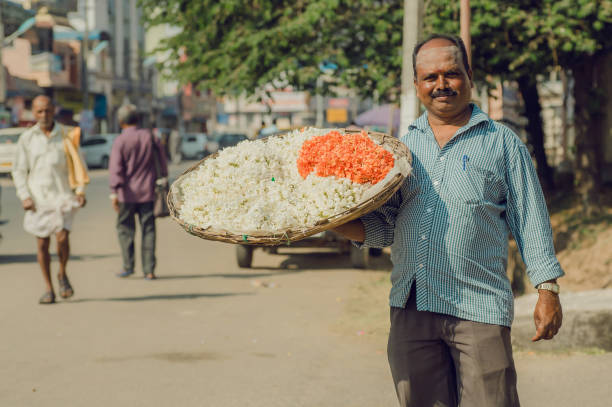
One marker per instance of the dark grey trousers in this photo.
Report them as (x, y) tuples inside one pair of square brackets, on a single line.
[(440, 360), (126, 228)]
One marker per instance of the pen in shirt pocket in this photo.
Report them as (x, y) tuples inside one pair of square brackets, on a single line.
[(465, 160)]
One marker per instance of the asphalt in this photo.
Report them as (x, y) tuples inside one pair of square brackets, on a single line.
[(208, 333)]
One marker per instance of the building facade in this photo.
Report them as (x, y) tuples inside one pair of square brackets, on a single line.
[(86, 54)]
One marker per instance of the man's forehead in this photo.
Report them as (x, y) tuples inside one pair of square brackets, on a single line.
[(432, 54), (42, 102)]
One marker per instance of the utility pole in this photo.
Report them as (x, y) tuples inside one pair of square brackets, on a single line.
[(465, 17), (413, 23), (84, 55), (2, 76)]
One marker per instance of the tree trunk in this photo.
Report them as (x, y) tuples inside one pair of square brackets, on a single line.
[(535, 132), (588, 122)]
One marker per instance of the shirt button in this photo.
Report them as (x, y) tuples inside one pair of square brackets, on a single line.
[(421, 265), (428, 210), (436, 183), (423, 237), (442, 158)]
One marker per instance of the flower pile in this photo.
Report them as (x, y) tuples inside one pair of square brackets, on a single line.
[(353, 156), (256, 186)]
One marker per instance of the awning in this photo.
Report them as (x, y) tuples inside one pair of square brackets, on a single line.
[(25, 26), (98, 48), (71, 35)]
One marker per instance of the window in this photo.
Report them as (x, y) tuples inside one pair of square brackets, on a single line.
[(9, 139), (93, 142)]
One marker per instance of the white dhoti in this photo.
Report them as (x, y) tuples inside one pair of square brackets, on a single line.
[(50, 219)]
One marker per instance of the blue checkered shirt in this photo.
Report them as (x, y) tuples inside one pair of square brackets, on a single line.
[(448, 224)]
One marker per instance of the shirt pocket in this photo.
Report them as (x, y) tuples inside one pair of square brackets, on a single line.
[(475, 184)]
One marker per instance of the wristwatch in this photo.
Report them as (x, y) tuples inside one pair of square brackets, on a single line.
[(554, 287)]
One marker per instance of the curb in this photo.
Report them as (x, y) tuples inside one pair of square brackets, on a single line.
[(587, 322)]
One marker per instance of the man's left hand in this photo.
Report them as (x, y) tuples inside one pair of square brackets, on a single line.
[(81, 200), (115, 204), (547, 316)]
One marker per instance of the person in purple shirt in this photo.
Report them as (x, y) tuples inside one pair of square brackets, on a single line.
[(132, 182)]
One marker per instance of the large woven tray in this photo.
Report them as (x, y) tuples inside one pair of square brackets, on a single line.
[(400, 153)]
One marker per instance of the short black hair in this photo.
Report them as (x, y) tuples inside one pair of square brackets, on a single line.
[(452, 38)]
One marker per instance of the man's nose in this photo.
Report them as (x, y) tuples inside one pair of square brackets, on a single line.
[(442, 83)]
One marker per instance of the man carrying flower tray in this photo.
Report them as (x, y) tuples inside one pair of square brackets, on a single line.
[(451, 301)]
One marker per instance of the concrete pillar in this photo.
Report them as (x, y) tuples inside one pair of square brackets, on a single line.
[(134, 50), (118, 39), (413, 23)]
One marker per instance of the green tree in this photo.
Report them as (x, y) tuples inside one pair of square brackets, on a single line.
[(236, 46)]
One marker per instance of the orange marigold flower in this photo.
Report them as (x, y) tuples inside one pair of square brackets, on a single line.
[(354, 156)]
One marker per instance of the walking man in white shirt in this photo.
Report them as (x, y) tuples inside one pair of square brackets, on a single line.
[(50, 179)]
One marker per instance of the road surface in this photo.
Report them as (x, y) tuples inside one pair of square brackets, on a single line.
[(207, 333)]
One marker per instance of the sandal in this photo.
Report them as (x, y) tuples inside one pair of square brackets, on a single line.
[(47, 298), (65, 289), (125, 273)]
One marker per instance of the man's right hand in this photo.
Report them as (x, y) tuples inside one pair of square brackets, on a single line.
[(28, 205), (353, 230)]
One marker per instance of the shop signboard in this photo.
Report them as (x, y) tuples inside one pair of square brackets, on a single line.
[(337, 115)]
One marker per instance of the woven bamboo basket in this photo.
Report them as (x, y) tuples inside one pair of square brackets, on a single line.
[(287, 236)]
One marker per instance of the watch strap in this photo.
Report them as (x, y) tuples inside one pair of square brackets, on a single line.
[(554, 287)]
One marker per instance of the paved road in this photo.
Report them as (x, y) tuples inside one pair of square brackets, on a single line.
[(207, 333)]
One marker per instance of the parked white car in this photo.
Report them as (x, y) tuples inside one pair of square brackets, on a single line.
[(8, 146), (96, 149), (193, 145)]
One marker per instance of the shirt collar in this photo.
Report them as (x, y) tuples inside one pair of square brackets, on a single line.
[(54, 132), (129, 130), (478, 116)]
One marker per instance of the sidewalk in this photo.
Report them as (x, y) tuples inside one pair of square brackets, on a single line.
[(587, 322)]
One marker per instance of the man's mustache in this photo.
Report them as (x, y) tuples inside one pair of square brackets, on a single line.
[(443, 92)]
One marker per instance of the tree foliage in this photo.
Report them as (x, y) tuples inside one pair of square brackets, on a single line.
[(244, 46)]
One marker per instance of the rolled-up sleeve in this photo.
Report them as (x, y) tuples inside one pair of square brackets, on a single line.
[(21, 169), (116, 167), (529, 221), (379, 225)]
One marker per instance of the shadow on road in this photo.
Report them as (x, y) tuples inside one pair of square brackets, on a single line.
[(298, 262), (225, 275), (157, 297), (295, 263), (31, 257)]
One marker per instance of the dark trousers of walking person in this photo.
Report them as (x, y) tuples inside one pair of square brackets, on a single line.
[(126, 228)]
